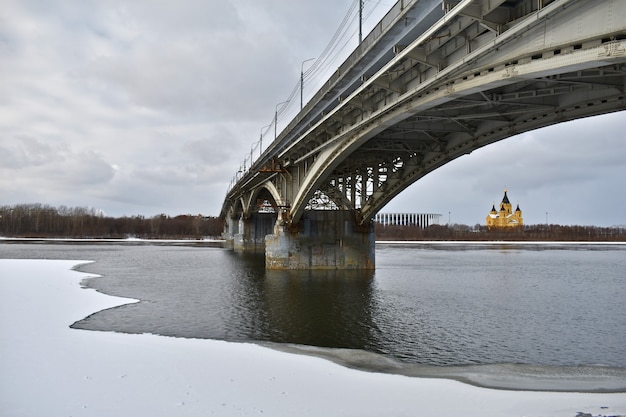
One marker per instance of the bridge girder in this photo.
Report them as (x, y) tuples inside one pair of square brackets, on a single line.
[(422, 143), (485, 71)]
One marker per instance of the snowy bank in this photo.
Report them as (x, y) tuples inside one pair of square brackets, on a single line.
[(48, 369)]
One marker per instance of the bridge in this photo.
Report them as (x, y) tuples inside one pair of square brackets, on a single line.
[(433, 81)]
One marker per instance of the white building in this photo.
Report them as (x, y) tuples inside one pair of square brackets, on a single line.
[(422, 220)]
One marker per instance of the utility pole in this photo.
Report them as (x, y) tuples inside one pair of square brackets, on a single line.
[(261, 140), (360, 21), (302, 78), (276, 116)]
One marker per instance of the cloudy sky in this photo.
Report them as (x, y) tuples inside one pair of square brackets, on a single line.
[(149, 107)]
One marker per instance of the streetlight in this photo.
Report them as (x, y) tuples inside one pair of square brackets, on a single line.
[(360, 21), (261, 140), (276, 116), (302, 78)]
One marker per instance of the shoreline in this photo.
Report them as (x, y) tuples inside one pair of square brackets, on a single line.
[(210, 242), (500, 242), (498, 376), (217, 243)]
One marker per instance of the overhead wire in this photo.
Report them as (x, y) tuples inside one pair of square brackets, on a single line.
[(333, 51), (326, 53), (331, 44), (340, 33)]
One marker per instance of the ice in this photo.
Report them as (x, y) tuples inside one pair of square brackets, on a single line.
[(48, 369)]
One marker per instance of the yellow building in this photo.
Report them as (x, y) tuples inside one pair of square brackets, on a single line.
[(505, 217)]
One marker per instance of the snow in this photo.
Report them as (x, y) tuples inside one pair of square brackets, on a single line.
[(49, 369)]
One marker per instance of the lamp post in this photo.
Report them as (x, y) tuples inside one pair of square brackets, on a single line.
[(276, 117), (261, 140), (360, 21), (302, 78)]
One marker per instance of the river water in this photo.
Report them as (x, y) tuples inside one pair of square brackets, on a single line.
[(434, 306)]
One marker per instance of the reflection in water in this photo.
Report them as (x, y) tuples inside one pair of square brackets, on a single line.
[(322, 308)]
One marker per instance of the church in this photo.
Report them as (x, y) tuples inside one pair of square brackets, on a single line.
[(506, 217)]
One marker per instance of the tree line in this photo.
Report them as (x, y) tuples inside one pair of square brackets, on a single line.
[(537, 232), (37, 220)]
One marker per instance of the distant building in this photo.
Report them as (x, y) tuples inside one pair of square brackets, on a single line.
[(422, 220), (505, 217)]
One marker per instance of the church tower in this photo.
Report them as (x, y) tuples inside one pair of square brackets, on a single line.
[(505, 217)]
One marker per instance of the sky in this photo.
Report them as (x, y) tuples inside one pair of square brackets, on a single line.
[(150, 107)]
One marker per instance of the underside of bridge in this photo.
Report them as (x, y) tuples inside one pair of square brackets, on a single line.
[(415, 99)]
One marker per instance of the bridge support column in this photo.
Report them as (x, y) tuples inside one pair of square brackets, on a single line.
[(230, 229), (252, 231), (324, 239)]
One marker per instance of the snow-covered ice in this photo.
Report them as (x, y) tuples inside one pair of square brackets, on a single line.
[(48, 369)]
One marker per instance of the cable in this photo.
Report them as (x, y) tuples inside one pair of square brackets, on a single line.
[(332, 52), (328, 52), (333, 40)]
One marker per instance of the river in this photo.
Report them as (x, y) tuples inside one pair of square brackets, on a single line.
[(438, 305)]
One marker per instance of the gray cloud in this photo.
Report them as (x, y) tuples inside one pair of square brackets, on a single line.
[(24, 152), (149, 107), (56, 166)]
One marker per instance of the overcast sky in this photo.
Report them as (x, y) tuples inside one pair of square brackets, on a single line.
[(149, 107)]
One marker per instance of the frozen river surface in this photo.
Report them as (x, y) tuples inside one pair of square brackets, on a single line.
[(461, 310), (47, 368)]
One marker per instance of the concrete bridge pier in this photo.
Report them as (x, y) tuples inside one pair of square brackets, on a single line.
[(324, 239), (249, 233), (231, 228)]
